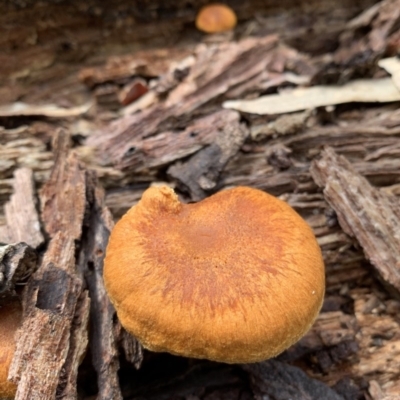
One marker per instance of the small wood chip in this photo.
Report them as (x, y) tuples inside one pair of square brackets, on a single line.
[(21, 214)]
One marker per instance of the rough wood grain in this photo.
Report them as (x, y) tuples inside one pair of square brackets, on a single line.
[(23, 147), (43, 43), (200, 175), (43, 342), (63, 198), (17, 263), (53, 337), (233, 63), (21, 211), (366, 38), (105, 332), (67, 387), (372, 217)]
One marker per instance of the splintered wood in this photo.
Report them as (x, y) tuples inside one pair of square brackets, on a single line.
[(21, 212), (364, 212), (233, 64), (54, 336)]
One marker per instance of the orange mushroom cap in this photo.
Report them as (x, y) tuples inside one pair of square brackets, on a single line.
[(237, 277), (215, 18), (10, 321)]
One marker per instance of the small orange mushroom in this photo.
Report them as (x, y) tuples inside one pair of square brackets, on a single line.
[(10, 321), (237, 277), (215, 18)]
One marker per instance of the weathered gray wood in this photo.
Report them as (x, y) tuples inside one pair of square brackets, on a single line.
[(21, 211)]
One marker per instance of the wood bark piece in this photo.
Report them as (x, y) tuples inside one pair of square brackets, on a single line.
[(201, 172), (50, 304), (279, 381), (164, 148), (67, 387), (147, 63), (53, 337), (17, 263), (358, 52), (63, 198), (23, 223), (24, 147), (132, 349), (73, 211), (378, 337), (105, 332), (217, 69), (364, 212)]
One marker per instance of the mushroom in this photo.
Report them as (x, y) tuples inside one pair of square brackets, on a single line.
[(10, 321), (215, 18), (237, 277)]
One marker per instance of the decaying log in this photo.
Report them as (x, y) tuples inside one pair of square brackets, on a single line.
[(364, 212), (119, 69), (177, 132)]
